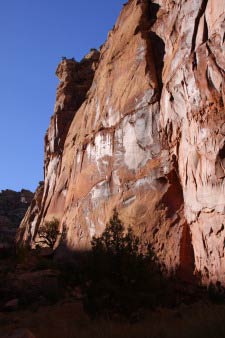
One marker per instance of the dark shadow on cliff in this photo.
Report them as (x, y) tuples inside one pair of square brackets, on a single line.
[(115, 278), (173, 201), (155, 45), (158, 50)]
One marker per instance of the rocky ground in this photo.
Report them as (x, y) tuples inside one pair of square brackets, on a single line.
[(36, 301), (67, 319)]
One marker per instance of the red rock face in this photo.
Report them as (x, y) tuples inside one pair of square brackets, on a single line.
[(193, 119), (143, 130)]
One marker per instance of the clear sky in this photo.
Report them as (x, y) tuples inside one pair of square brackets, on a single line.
[(34, 36)]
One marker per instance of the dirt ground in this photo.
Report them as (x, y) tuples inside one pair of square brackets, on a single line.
[(68, 320)]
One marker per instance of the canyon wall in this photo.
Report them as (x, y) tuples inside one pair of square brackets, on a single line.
[(140, 126)]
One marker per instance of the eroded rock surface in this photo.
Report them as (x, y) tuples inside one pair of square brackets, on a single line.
[(142, 128)]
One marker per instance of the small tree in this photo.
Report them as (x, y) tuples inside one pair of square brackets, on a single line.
[(115, 241), (49, 232), (124, 272), (111, 240)]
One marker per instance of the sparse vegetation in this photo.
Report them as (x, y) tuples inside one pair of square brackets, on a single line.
[(114, 280), (120, 272), (116, 277)]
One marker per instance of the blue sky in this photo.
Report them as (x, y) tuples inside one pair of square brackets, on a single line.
[(34, 36)]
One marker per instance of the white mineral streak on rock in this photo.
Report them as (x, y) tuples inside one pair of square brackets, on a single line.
[(51, 173), (112, 117), (99, 191), (144, 183), (102, 147), (98, 112), (92, 229), (141, 52), (139, 137), (215, 77), (33, 226), (129, 200), (215, 13), (78, 157), (64, 192), (101, 151), (134, 155), (116, 182), (145, 100)]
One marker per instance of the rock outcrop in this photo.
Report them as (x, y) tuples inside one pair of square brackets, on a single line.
[(13, 206), (141, 127)]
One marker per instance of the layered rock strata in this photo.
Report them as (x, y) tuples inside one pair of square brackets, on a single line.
[(143, 130)]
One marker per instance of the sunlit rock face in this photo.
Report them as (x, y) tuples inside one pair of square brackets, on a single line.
[(141, 127), (193, 119)]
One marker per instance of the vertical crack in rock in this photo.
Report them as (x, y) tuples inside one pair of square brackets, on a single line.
[(155, 45), (220, 163), (196, 25), (173, 198), (187, 259)]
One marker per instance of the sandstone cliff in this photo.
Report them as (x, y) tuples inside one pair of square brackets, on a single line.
[(141, 127)]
